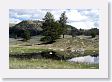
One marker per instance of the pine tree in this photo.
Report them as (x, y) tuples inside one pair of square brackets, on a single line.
[(63, 21), (51, 29)]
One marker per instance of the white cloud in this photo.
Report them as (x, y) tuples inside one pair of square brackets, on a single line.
[(83, 25), (13, 20), (92, 15), (24, 16), (84, 18), (74, 15)]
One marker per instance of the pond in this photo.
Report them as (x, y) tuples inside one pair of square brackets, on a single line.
[(85, 59), (93, 59)]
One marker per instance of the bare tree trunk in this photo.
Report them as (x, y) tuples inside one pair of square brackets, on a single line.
[(63, 35)]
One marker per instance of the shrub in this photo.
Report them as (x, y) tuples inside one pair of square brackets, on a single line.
[(93, 34), (26, 35), (46, 39)]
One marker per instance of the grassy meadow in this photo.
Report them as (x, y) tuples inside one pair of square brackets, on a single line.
[(48, 64), (18, 47)]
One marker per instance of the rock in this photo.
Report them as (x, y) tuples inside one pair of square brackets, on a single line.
[(50, 48), (61, 49), (68, 47), (50, 53), (80, 49), (73, 50)]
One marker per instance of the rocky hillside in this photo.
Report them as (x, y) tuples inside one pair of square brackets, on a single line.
[(34, 27)]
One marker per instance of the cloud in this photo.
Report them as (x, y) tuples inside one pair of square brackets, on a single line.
[(92, 14), (13, 20), (81, 18), (83, 25), (75, 16), (26, 14), (84, 18)]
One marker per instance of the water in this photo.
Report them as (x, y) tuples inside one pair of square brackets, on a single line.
[(85, 59)]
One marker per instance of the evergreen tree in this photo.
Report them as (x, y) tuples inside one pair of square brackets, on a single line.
[(63, 21), (51, 29)]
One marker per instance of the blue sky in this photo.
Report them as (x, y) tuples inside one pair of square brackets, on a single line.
[(79, 18)]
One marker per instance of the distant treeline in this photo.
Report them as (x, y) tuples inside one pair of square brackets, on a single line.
[(76, 32), (35, 29)]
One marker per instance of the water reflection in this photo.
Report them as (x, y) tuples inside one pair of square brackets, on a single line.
[(85, 59)]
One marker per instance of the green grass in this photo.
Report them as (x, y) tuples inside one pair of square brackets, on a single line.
[(48, 64), (14, 50)]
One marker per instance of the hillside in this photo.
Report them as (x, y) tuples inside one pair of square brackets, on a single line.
[(29, 24), (11, 24), (34, 27)]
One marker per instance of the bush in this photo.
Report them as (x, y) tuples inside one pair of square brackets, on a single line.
[(46, 39), (93, 34), (26, 35)]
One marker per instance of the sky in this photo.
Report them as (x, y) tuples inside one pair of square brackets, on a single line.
[(79, 18)]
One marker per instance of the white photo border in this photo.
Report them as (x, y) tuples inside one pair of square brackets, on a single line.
[(102, 72)]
